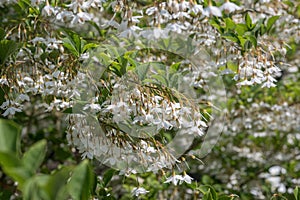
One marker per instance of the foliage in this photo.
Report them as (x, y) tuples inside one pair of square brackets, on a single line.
[(117, 99)]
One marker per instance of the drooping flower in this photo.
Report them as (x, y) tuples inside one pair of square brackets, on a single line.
[(137, 191)]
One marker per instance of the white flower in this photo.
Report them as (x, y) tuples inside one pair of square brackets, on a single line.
[(64, 15), (81, 18), (229, 7), (138, 191), (11, 111), (174, 179), (212, 10), (48, 10), (186, 178)]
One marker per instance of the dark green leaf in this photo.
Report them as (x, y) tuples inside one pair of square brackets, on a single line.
[(108, 176), (7, 48), (34, 157), (2, 33), (73, 43)]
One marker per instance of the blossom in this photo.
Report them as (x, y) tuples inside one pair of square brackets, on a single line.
[(186, 178), (175, 179), (229, 7), (138, 191), (212, 10)]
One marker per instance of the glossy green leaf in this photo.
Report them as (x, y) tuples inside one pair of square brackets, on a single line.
[(34, 157), (81, 182), (10, 136)]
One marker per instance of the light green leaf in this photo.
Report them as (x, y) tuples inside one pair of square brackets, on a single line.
[(248, 21), (81, 182), (34, 157), (89, 46), (33, 188), (241, 29), (230, 25), (13, 167), (10, 137), (56, 186), (296, 193)]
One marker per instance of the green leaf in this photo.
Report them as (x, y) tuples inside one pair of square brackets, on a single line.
[(248, 21), (13, 167), (161, 79), (142, 70), (258, 26), (253, 40), (10, 137), (33, 188), (89, 46), (7, 48), (208, 196), (174, 67), (296, 193), (34, 157), (271, 22), (108, 176), (2, 33), (230, 25), (231, 37), (241, 29), (73, 43), (56, 185), (209, 191), (81, 182)]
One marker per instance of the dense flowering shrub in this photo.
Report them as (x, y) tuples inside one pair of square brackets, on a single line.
[(147, 87)]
